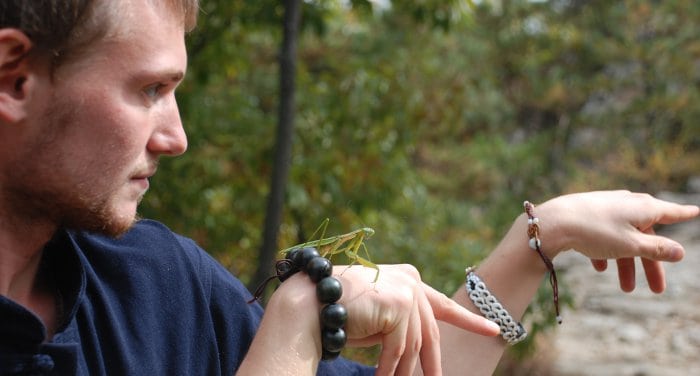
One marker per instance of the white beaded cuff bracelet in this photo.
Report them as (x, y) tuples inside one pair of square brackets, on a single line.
[(511, 330)]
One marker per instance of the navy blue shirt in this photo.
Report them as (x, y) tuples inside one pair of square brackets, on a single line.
[(148, 303)]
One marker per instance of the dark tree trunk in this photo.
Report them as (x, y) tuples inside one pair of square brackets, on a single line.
[(283, 146)]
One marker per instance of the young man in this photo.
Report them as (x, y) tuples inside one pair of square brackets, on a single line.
[(87, 108)]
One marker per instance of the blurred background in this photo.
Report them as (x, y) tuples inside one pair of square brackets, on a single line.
[(429, 121)]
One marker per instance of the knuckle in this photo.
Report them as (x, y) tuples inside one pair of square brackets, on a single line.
[(386, 322), (433, 333), (411, 271), (398, 351), (416, 345), (661, 251), (656, 250), (645, 198)]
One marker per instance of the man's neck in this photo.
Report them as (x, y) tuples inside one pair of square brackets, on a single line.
[(21, 250), (21, 247)]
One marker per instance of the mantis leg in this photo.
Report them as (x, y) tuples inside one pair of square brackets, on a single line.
[(352, 251)]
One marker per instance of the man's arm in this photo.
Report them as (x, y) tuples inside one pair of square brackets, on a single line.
[(600, 225)]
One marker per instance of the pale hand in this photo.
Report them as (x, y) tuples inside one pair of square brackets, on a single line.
[(400, 312), (618, 225)]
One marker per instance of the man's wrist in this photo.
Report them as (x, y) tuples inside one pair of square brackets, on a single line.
[(554, 232), (296, 306)]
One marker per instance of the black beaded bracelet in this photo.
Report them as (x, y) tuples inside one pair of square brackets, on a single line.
[(328, 290)]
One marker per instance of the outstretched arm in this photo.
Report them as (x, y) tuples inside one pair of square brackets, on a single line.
[(600, 225)]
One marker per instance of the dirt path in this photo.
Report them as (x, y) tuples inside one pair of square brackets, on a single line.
[(640, 333)]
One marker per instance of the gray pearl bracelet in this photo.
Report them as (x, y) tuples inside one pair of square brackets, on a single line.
[(511, 330)]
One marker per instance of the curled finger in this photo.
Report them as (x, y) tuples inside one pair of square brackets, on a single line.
[(409, 358), (393, 347), (430, 357), (626, 274), (655, 274), (599, 265)]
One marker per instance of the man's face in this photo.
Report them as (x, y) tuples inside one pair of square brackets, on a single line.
[(96, 131)]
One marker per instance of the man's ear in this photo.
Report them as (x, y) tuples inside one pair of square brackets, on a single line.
[(14, 72)]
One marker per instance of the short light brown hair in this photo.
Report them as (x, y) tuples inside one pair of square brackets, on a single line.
[(61, 29)]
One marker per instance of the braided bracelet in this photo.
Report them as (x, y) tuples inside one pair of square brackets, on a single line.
[(533, 233), (511, 330), (328, 290)]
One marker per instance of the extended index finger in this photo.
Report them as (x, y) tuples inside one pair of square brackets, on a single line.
[(449, 311), (670, 212)]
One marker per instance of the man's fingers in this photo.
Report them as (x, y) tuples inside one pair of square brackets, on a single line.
[(656, 276), (659, 248), (430, 332), (599, 265), (393, 345), (409, 358), (451, 312), (625, 272), (675, 213)]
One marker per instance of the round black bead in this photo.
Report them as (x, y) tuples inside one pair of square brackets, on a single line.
[(285, 269), (291, 254), (334, 316), (329, 290), (329, 355), (319, 268), (333, 340), (284, 266), (305, 255)]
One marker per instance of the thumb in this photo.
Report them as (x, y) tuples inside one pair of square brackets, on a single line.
[(660, 248)]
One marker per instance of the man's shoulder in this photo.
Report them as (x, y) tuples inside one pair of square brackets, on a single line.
[(148, 245), (152, 254), (144, 235)]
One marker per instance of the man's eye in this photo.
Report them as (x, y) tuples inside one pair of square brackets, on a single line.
[(153, 90)]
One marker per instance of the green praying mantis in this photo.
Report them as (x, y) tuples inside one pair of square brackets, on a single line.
[(349, 244)]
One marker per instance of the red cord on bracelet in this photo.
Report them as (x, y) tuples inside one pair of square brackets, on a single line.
[(533, 233)]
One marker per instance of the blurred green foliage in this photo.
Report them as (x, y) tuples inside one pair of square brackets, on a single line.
[(430, 121)]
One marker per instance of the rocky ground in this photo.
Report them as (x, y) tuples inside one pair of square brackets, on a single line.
[(640, 333)]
